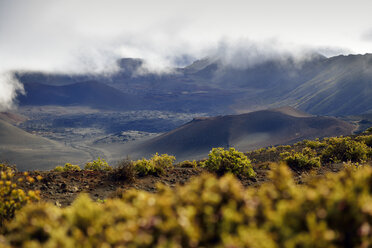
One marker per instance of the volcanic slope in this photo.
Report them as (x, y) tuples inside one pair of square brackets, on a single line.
[(343, 86), (244, 132), (89, 93), (340, 85), (12, 118), (31, 152)]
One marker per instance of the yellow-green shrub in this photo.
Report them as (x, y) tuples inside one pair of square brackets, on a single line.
[(284, 147), (98, 165), (188, 164), (208, 212), (343, 149), (67, 167), (305, 159), (154, 166), (314, 144), (222, 161), (12, 198), (259, 150), (271, 149), (367, 139), (331, 212), (368, 130)]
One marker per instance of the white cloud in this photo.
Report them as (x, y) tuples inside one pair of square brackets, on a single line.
[(367, 35), (9, 87)]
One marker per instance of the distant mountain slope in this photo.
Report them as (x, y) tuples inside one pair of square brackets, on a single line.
[(12, 118), (340, 85), (343, 87), (245, 132), (13, 136), (291, 112), (30, 152), (90, 93)]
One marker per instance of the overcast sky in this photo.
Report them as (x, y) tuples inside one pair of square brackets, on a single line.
[(89, 35)]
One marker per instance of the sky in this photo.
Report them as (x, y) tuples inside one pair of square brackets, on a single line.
[(88, 36)]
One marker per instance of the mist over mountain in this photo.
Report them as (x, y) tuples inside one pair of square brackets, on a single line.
[(343, 86), (327, 86)]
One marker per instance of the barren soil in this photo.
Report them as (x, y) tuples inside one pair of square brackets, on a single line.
[(61, 188)]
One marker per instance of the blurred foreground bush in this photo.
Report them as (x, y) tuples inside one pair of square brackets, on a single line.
[(12, 198), (335, 211)]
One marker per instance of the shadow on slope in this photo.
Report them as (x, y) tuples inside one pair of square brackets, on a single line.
[(245, 132), (89, 93)]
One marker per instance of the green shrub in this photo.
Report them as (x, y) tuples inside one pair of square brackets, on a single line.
[(67, 167), (98, 165), (367, 139), (6, 167), (314, 144), (188, 164), (259, 150), (209, 212), (343, 149), (305, 159), (368, 130), (271, 149), (334, 211), (223, 161), (284, 147), (154, 166), (12, 198), (59, 169)]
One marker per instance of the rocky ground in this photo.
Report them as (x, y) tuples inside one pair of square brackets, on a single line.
[(61, 188)]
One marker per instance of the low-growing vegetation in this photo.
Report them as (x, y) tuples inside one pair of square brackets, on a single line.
[(12, 198), (314, 144), (306, 159), (98, 165), (154, 166), (209, 212), (314, 153), (67, 167), (343, 149), (367, 139), (368, 130), (222, 161), (188, 164), (312, 209)]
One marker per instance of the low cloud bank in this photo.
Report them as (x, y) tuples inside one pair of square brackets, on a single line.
[(159, 57), (89, 36), (9, 88)]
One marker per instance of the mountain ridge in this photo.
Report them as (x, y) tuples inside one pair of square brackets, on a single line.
[(245, 132), (339, 85)]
